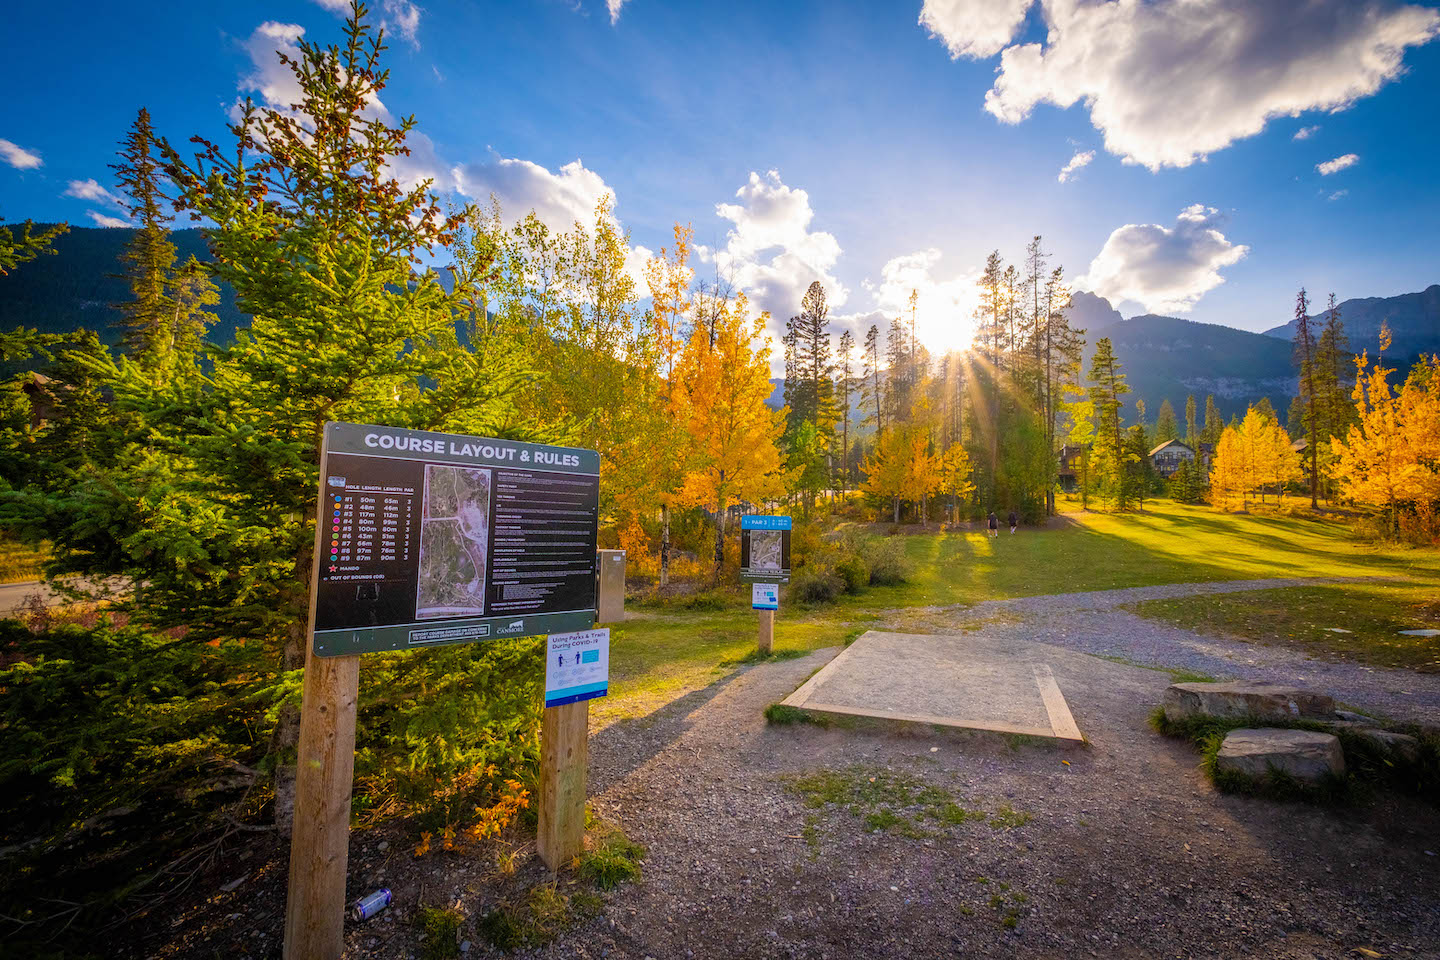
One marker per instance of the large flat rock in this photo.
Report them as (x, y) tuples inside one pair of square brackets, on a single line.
[(1245, 698), (1303, 754)]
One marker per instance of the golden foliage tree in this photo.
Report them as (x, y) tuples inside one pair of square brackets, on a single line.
[(1391, 457), (1250, 458), (734, 435)]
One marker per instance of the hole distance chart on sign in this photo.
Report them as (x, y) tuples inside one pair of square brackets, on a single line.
[(429, 538)]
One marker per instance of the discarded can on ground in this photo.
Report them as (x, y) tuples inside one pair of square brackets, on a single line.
[(367, 906)]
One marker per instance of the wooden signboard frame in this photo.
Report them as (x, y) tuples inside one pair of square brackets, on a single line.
[(325, 760)]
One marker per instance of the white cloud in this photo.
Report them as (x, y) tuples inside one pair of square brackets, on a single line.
[(944, 306), (1305, 133), (558, 199), (101, 220), (1338, 194), (614, 7), (18, 157), (1165, 269), (397, 16), (272, 80), (973, 28), (1068, 171), (771, 253), (1171, 81), (402, 17), (91, 190), (1338, 164)]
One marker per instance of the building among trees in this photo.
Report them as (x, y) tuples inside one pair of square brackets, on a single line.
[(1168, 456)]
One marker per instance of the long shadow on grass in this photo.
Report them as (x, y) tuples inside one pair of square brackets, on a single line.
[(627, 744)]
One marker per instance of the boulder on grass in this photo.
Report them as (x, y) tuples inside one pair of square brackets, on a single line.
[(1244, 698), (1303, 754), (1400, 745)]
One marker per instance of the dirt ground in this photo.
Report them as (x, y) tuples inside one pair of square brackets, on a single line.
[(1116, 849)]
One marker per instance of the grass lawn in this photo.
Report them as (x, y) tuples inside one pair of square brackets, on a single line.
[(671, 650), (1299, 617)]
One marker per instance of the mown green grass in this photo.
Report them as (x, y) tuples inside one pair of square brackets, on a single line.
[(1301, 617), (672, 649)]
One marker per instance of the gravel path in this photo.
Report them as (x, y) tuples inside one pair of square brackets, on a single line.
[(1129, 852), (1094, 623)]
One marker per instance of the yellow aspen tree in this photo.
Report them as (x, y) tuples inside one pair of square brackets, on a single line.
[(885, 468), (668, 275), (1282, 464), (955, 473), (1420, 421), (922, 468), (1389, 457), (1255, 451), (1227, 472), (734, 434)]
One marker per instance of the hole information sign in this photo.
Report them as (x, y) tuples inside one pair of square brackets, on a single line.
[(765, 549), (426, 539)]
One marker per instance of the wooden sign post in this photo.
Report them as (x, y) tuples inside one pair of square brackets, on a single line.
[(767, 632), (320, 841), (577, 670), (564, 759)]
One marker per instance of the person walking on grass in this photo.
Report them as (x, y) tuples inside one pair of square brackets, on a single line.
[(994, 524), (1014, 522)]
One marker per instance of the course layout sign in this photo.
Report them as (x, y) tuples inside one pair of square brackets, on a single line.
[(765, 549), (765, 596), (426, 539), (577, 666)]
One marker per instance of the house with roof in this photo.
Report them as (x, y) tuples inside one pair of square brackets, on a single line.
[(1167, 457)]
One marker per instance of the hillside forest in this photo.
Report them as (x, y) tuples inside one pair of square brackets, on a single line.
[(186, 470)]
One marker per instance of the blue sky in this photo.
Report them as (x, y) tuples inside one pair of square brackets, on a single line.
[(863, 151)]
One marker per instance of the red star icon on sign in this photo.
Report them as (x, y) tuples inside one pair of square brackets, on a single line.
[(333, 569)]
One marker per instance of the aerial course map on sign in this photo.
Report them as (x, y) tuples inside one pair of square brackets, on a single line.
[(429, 538)]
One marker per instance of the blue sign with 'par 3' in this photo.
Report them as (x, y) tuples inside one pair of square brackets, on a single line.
[(750, 522)]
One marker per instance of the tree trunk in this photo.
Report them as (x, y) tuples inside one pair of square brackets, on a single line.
[(897, 511), (664, 544), (719, 536)]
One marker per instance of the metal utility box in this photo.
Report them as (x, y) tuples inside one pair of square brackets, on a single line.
[(611, 600)]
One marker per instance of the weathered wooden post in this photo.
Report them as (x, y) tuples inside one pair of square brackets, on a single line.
[(767, 631), (564, 758), (320, 839)]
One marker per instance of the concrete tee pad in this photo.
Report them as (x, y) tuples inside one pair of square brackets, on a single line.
[(971, 681)]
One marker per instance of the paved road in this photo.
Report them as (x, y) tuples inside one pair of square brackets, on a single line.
[(13, 595)]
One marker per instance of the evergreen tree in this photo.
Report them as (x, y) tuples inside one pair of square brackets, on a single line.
[(1334, 382), (150, 256), (898, 359), (1107, 387), (871, 390), (26, 247), (812, 398), (1058, 349), (1165, 426), (1192, 436), (847, 350), (1305, 359), (1214, 423)]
